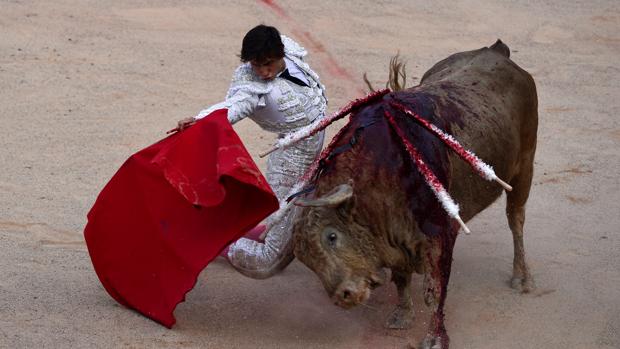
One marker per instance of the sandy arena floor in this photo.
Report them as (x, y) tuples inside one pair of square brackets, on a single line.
[(84, 84)]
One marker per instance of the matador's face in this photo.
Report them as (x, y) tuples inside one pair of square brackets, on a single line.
[(268, 69)]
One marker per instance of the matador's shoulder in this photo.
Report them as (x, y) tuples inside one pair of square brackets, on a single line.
[(244, 79), (292, 48)]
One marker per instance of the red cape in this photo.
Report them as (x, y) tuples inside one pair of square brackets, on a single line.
[(169, 210)]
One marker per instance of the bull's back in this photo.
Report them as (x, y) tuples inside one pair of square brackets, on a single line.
[(480, 97), (489, 104)]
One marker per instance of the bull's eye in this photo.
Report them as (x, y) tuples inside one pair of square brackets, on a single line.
[(332, 238)]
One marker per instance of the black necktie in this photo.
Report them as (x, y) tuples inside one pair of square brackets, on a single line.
[(286, 75)]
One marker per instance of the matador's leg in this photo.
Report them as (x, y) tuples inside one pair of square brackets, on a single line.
[(284, 168)]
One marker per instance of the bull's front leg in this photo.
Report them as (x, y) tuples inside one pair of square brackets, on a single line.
[(402, 317), (438, 262)]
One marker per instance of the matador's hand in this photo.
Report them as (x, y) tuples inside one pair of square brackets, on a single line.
[(183, 124)]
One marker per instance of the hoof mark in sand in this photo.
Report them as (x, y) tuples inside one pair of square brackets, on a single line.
[(549, 34), (563, 175), (578, 200), (558, 109), (43, 234)]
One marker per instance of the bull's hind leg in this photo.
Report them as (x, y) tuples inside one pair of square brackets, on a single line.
[(402, 317), (515, 211)]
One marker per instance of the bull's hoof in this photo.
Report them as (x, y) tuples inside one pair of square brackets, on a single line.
[(400, 319), (523, 285), (431, 342), (429, 297)]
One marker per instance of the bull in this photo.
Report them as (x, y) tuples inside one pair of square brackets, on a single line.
[(371, 209)]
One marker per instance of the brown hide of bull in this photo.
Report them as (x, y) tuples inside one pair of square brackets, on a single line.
[(392, 219)]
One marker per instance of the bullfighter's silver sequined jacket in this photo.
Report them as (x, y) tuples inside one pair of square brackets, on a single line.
[(279, 106)]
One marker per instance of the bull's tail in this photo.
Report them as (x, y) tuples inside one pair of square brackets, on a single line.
[(501, 48), (397, 76)]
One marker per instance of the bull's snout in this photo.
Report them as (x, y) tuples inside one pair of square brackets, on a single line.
[(349, 294)]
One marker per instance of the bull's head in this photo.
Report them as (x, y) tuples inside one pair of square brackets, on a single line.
[(340, 250)]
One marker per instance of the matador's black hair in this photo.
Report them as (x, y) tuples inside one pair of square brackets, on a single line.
[(262, 43)]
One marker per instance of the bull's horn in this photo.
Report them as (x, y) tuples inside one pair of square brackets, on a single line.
[(337, 196)]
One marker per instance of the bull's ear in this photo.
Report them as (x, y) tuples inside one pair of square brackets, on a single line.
[(335, 197)]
